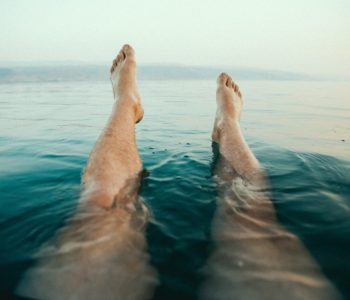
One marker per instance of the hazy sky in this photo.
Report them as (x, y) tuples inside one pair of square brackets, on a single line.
[(298, 35)]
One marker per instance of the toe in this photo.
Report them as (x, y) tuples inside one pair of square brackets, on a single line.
[(236, 88), (222, 79), (115, 62), (119, 57), (229, 82), (128, 50)]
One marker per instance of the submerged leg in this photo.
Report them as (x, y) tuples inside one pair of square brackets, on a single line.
[(100, 253), (255, 257)]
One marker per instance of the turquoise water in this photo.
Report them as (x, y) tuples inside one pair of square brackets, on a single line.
[(300, 131)]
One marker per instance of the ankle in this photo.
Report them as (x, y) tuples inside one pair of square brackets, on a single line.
[(230, 120), (129, 109)]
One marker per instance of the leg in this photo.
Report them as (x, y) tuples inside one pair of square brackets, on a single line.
[(114, 160), (255, 257), (100, 253)]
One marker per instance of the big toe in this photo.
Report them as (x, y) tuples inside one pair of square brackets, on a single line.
[(223, 78), (128, 51)]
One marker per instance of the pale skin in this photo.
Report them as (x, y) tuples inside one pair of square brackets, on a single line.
[(101, 251)]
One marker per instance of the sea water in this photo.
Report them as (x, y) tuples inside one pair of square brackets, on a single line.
[(299, 130)]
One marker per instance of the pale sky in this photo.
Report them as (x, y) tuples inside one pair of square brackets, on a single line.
[(307, 36)]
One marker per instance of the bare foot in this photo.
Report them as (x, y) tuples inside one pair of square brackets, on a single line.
[(229, 104), (123, 77)]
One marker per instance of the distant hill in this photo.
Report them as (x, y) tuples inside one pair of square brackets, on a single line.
[(145, 72), (183, 72), (4, 72)]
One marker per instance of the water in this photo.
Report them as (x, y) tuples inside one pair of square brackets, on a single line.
[(300, 131)]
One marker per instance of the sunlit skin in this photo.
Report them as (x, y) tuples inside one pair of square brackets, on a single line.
[(114, 158)]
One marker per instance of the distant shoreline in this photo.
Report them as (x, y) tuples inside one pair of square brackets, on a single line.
[(57, 72)]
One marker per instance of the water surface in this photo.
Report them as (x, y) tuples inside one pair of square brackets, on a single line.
[(300, 131)]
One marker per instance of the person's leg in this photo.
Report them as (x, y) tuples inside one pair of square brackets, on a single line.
[(254, 256), (114, 159), (100, 253)]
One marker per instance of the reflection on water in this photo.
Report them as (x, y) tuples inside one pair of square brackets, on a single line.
[(48, 129)]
